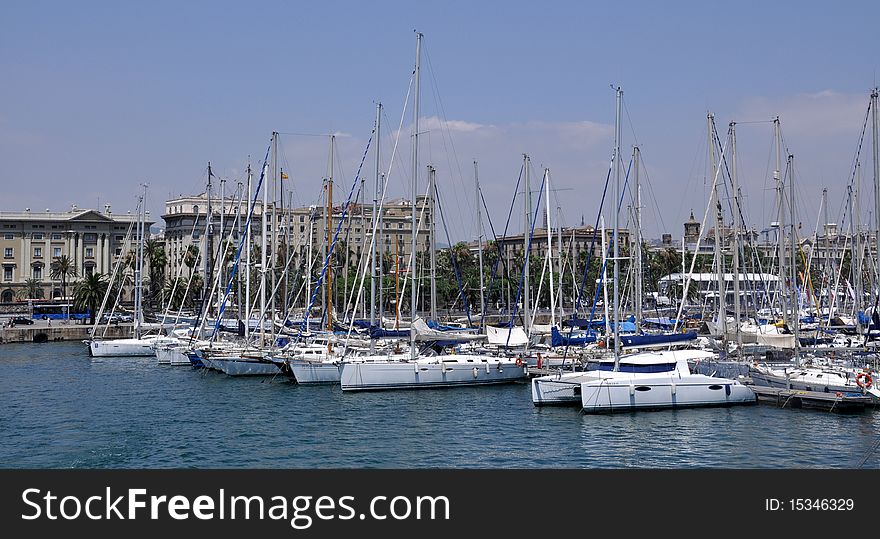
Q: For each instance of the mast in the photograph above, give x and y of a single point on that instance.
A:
(719, 252)
(559, 259)
(875, 122)
(637, 252)
(414, 190)
(273, 229)
(223, 242)
(550, 246)
(374, 240)
(328, 239)
(736, 237)
(238, 230)
(208, 255)
(380, 255)
(247, 264)
(826, 281)
(309, 260)
(605, 277)
(264, 258)
(479, 242)
(139, 267)
(780, 222)
(616, 222)
(527, 227)
(856, 257)
(795, 304)
(432, 192)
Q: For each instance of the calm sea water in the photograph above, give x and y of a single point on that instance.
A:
(61, 409)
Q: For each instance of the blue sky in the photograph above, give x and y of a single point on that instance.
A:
(97, 97)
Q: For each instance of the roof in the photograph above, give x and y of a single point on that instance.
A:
(75, 215)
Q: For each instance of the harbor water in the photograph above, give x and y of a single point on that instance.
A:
(61, 409)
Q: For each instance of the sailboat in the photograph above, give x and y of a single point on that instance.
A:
(644, 380)
(415, 370)
(139, 344)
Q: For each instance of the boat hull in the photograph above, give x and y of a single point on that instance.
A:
(619, 395)
(369, 376)
(243, 366)
(315, 372)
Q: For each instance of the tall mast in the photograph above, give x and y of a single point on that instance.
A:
(139, 267)
(527, 227)
(223, 243)
(549, 246)
(614, 233)
(736, 237)
(432, 192)
(826, 281)
(374, 240)
(780, 222)
(380, 255)
(559, 258)
(795, 304)
(273, 229)
(264, 256)
(208, 255)
(328, 238)
(875, 121)
(414, 190)
(247, 264)
(637, 252)
(479, 242)
(719, 252)
(856, 258)
(238, 234)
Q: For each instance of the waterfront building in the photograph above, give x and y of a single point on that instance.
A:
(31, 240)
(186, 224)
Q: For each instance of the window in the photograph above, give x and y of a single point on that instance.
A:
(57, 237)
(7, 273)
(90, 237)
(9, 236)
(7, 252)
(56, 252)
(195, 209)
(38, 252)
(90, 270)
(90, 252)
(120, 238)
(118, 251)
(38, 273)
(38, 236)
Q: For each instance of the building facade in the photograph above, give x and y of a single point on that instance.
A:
(186, 224)
(30, 241)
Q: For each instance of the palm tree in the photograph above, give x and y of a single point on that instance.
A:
(157, 260)
(62, 268)
(89, 293)
(191, 256)
(33, 289)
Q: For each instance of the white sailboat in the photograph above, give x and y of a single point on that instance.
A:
(138, 345)
(411, 371)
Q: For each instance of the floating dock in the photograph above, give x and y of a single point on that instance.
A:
(795, 398)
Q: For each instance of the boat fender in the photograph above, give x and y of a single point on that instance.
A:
(727, 389)
(864, 380)
(673, 388)
(487, 367)
(632, 390)
(475, 372)
(416, 367)
(443, 367)
(539, 360)
(519, 363)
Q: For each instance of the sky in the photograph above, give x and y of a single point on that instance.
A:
(97, 98)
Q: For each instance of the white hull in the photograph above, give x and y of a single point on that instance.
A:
(636, 392)
(315, 372)
(126, 347)
(463, 370)
(811, 379)
(559, 388)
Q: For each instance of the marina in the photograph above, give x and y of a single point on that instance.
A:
(62, 409)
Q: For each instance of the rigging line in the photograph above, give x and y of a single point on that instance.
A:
(436, 89)
(501, 258)
(467, 308)
(526, 262)
(240, 246)
(345, 209)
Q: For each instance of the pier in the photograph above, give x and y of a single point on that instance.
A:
(58, 330)
(794, 398)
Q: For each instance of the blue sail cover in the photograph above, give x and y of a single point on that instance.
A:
(379, 333)
(585, 323)
(557, 339)
(665, 338)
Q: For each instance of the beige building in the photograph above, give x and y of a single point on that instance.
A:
(186, 224)
(30, 241)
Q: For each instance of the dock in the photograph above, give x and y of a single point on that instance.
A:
(41, 331)
(794, 398)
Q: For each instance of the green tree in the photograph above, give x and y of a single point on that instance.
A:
(89, 293)
(61, 269)
(33, 289)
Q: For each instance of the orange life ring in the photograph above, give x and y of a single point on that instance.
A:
(601, 344)
(868, 381)
(519, 362)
